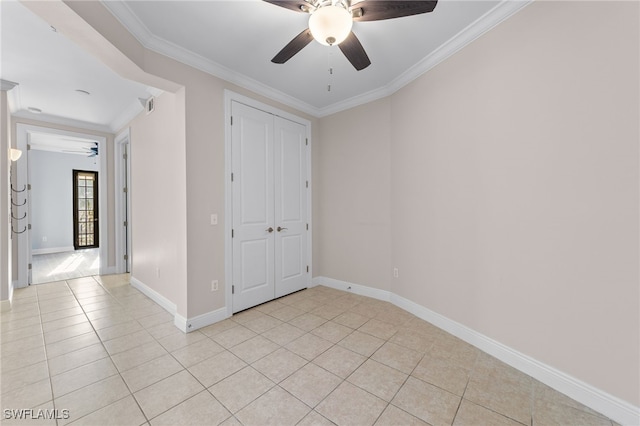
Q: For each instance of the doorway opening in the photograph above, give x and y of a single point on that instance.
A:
(64, 238)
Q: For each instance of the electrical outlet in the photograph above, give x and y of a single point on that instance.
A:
(395, 273)
(214, 285)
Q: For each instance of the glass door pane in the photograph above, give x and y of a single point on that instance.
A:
(85, 209)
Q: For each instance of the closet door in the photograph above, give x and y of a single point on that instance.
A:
(253, 207)
(269, 191)
(290, 168)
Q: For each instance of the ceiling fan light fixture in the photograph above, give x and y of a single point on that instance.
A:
(330, 25)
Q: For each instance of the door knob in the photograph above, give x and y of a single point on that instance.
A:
(270, 230)
(281, 229)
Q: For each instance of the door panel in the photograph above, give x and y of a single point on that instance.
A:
(255, 253)
(254, 172)
(253, 209)
(269, 192)
(291, 259)
(290, 206)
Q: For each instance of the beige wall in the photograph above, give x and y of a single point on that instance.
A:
(158, 199)
(353, 219)
(514, 189)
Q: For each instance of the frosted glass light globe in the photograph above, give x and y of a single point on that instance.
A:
(330, 25)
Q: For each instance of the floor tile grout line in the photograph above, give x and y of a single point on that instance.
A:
(111, 359)
(471, 371)
(462, 397)
(44, 347)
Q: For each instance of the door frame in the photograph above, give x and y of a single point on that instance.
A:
(122, 239)
(96, 230)
(23, 135)
(229, 97)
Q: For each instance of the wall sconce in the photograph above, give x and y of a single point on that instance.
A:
(14, 154)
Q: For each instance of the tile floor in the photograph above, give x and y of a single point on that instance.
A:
(63, 266)
(100, 349)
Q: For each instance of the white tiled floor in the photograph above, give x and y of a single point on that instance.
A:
(110, 356)
(52, 267)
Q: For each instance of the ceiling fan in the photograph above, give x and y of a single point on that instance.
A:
(331, 21)
(89, 151)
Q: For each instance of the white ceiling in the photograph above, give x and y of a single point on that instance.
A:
(49, 69)
(234, 40)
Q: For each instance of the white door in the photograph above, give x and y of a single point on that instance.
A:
(269, 206)
(253, 207)
(290, 206)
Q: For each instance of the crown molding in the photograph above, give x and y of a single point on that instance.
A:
(187, 57)
(125, 116)
(469, 34)
(486, 22)
(130, 21)
(62, 121)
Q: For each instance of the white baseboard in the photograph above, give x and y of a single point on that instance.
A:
(594, 398)
(52, 250)
(168, 305)
(190, 324)
(108, 270)
(186, 325)
(359, 289)
(16, 284)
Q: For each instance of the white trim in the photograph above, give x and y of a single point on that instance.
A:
(52, 250)
(502, 11)
(165, 303)
(126, 116)
(185, 325)
(23, 251)
(53, 119)
(139, 30)
(14, 99)
(600, 401)
(5, 305)
(359, 289)
(188, 325)
(229, 97)
(108, 270)
(22, 175)
(121, 139)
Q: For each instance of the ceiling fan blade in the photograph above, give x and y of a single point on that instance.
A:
(376, 10)
(297, 5)
(353, 50)
(294, 46)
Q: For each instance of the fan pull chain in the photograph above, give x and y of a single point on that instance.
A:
(330, 68)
